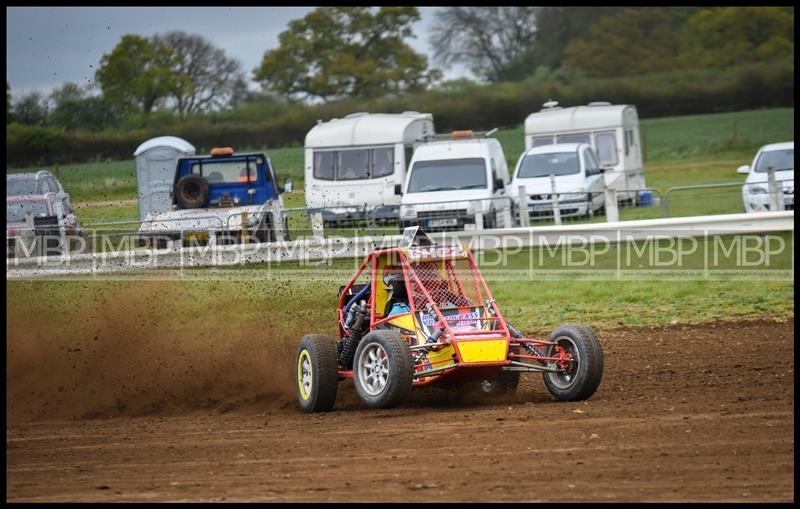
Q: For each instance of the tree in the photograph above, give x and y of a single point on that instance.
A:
(8, 103)
(31, 109)
(204, 77)
(557, 26)
(632, 41)
(497, 43)
(336, 52)
(136, 75)
(724, 36)
(73, 109)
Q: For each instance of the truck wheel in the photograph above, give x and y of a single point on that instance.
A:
(191, 192)
(383, 369)
(317, 374)
(578, 378)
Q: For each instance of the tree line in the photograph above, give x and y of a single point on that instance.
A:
(346, 53)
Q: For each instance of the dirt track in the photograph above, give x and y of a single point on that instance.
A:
(683, 413)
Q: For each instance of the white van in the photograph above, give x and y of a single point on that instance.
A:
(457, 184)
(359, 163)
(611, 130)
(576, 173)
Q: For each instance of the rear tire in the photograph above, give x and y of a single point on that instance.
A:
(582, 377)
(383, 369)
(317, 376)
(506, 382)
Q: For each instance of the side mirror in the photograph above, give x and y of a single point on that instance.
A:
(398, 189)
(745, 169)
(288, 185)
(499, 184)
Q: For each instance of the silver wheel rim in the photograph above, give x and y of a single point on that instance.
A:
(487, 386)
(373, 369)
(565, 379)
(306, 377)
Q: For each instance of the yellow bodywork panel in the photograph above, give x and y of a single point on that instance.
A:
(483, 350)
(405, 321)
(442, 358)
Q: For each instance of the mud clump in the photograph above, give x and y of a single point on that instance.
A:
(125, 355)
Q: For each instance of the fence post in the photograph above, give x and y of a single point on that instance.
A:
(245, 230)
(775, 190)
(317, 225)
(556, 209)
(522, 205)
(277, 221)
(479, 217)
(612, 212)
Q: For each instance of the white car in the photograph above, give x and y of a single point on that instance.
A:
(755, 194)
(457, 184)
(578, 179)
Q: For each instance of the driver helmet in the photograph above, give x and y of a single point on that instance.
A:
(397, 285)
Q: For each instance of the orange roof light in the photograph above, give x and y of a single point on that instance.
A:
(462, 134)
(221, 151)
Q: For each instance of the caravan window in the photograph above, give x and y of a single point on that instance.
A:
(574, 138)
(538, 141)
(606, 143)
(323, 165)
(382, 162)
(352, 165)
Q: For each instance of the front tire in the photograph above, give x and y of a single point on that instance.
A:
(383, 369)
(317, 377)
(578, 378)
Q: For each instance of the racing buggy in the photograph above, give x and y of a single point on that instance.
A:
(420, 314)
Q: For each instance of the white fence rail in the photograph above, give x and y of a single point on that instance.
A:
(335, 248)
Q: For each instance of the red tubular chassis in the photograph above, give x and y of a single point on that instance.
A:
(448, 326)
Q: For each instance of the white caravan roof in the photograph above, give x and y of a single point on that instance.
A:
(370, 129)
(166, 141)
(580, 118)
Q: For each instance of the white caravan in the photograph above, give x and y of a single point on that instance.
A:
(359, 162)
(611, 130)
(457, 184)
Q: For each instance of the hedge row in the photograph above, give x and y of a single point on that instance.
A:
(468, 107)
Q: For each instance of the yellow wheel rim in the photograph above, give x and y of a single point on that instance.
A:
(304, 374)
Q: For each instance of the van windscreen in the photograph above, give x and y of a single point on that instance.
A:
(544, 165)
(447, 175)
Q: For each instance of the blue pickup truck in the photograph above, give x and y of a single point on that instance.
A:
(222, 196)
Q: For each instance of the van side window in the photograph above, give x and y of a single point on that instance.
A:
(538, 141)
(574, 138)
(323, 165)
(352, 165)
(606, 143)
(382, 162)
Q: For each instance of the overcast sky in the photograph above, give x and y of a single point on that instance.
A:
(47, 46)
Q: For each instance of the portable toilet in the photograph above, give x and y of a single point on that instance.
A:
(156, 160)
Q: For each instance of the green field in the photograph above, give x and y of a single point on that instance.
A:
(685, 150)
